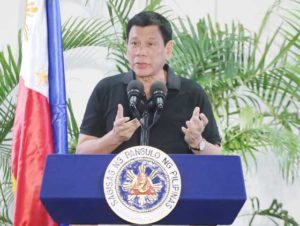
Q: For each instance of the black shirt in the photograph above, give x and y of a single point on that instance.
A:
(182, 97)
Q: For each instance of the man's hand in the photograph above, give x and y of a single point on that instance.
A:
(123, 128)
(194, 128)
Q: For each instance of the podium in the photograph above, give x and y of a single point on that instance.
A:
(213, 190)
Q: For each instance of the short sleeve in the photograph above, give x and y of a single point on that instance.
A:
(93, 122)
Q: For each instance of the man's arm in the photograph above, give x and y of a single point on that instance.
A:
(122, 131)
(193, 134)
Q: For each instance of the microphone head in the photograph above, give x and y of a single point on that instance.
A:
(135, 85)
(158, 92)
(158, 87)
(135, 94)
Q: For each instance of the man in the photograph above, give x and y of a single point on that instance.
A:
(186, 125)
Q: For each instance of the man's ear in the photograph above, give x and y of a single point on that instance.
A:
(169, 49)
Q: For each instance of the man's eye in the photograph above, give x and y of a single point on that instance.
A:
(134, 43)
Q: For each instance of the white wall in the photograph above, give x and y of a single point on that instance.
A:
(10, 22)
(85, 67)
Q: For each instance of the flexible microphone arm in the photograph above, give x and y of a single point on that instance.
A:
(156, 116)
(144, 120)
(158, 92)
(135, 92)
(145, 128)
(135, 112)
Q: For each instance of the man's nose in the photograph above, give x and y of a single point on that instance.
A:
(141, 50)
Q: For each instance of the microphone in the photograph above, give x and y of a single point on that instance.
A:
(159, 91)
(135, 92)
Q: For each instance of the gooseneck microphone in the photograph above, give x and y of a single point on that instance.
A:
(141, 108)
(158, 92)
(135, 92)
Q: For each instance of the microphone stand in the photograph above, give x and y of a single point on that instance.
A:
(144, 140)
(144, 120)
(145, 128)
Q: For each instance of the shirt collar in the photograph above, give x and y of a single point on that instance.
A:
(172, 83)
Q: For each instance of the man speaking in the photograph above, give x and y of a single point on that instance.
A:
(149, 104)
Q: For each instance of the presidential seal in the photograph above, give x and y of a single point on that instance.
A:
(142, 185)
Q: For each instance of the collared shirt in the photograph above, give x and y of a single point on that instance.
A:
(166, 134)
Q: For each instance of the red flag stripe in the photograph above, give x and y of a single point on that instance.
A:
(31, 144)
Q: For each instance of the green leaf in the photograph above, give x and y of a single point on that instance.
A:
(275, 212)
(85, 32)
(73, 130)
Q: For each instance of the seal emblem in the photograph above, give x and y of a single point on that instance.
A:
(142, 185)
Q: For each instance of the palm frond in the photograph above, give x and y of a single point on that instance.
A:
(6, 121)
(252, 134)
(152, 5)
(274, 212)
(212, 56)
(291, 18)
(9, 76)
(286, 145)
(78, 32)
(9, 71)
(6, 201)
(278, 90)
(73, 130)
(246, 137)
(118, 12)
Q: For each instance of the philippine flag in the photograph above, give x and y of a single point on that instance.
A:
(33, 134)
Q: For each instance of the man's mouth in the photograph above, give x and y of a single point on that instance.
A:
(141, 65)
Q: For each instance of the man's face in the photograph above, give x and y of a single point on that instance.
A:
(146, 51)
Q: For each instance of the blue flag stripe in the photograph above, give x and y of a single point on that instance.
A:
(57, 90)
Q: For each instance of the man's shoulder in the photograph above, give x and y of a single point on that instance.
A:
(188, 84)
(112, 80)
